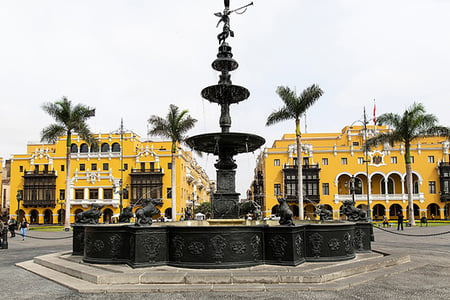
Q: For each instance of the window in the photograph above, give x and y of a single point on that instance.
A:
(432, 187)
(107, 193)
(169, 193)
(62, 168)
(355, 143)
(306, 161)
(276, 162)
(21, 169)
(84, 148)
(94, 147)
(325, 188)
(169, 166)
(94, 167)
(142, 166)
(446, 186)
(152, 166)
(412, 159)
(62, 194)
(344, 160)
(324, 161)
(393, 159)
(82, 167)
(360, 160)
(74, 148)
(125, 167)
(431, 159)
(105, 166)
(295, 161)
(79, 194)
(105, 147)
(93, 193)
(115, 147)
(277, 189)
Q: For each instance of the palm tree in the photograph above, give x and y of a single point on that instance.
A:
(69, 119)
(174, 126)
(294, 107)
(413, 124)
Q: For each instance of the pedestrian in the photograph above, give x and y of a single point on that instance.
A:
(385, 221)
(400, 220)
(2, 227)
(12, 223)
(23, 226)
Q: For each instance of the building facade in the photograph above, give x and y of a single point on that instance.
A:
(336, 167)
(113, 172)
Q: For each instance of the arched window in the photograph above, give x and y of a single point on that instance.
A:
(105, 147)
(84, 148)
(391, 189)
(74, 148)
(94, 147)
(115, 147)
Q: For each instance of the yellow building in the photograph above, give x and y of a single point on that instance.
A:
(111, 170)
(330, 160)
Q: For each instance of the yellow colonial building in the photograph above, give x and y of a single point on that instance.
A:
(112, 172)
(331, 161)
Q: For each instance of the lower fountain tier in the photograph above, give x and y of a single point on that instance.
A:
(230, 142)
(219, 246)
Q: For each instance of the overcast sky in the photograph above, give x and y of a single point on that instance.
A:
(130, 59)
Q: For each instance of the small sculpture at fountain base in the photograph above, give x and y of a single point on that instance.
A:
(89, 216)
(145, 214)
(353, 213)
(323, 213)
(285, 213)
(126, 215)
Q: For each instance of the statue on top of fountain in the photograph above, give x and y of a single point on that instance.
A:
(224, 17)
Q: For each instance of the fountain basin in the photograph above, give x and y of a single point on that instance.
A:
(207, 247)
(232, 142)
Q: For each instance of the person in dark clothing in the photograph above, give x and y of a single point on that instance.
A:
(400, 220)
(23, 228)
(12, 223)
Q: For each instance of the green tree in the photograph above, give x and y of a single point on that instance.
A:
(413, 124)
(203, 208)
(69, 119)
(294, 107)
(174, 127)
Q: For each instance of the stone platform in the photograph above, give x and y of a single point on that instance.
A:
(70, 271)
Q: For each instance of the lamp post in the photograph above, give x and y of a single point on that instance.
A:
(19, 197)
(366, 161)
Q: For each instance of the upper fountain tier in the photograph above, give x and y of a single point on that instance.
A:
(225, 92)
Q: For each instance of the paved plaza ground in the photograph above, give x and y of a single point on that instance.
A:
(431, 281)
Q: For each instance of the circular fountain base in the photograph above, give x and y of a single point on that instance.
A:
(207, 247)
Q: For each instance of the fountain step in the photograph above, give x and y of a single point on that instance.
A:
(70, 271)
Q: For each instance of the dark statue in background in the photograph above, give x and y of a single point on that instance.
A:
(89, 216)
(188, 213)
(126, 215)
(285, 213)
(353, 213)
(145, 214)
(323, 213)
(224, 17)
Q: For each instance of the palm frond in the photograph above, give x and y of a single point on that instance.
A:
(52, 132)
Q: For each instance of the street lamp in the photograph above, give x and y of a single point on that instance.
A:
(19, 197)
(366, 161)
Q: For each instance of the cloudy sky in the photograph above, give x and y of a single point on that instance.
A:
(130, 59)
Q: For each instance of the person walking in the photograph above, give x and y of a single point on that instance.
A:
(400, 220)
(23, 226)
(2, 227)
(12, 223)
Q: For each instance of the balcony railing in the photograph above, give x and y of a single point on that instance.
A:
(147, 170)
(444, 164)
(43, 172)
(39, 203)
(308, 166)
(378, 197)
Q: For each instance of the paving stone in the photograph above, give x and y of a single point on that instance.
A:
(255, 277)
(163, 278)
(208, 277)
(238, 288)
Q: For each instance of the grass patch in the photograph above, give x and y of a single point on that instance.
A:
(47, 228)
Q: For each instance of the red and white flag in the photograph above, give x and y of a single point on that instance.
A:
(374, 110)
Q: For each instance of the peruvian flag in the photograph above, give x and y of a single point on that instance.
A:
(374, 110)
